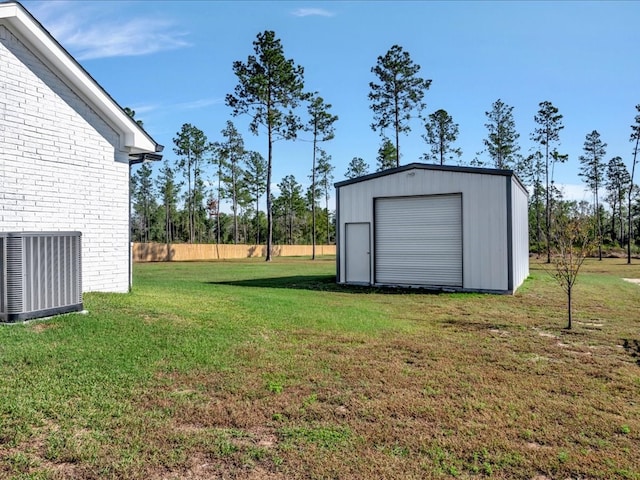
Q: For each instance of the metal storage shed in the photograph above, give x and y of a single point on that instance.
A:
(431, 226)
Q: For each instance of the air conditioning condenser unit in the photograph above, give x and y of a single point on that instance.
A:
(40, 274)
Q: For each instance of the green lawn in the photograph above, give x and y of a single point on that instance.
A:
(243, 369)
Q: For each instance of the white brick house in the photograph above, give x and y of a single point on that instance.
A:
(65, 150)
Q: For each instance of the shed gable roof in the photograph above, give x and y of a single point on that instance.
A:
(427, 166)
(21, 23)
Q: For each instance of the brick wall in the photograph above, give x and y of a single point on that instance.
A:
(60, 167)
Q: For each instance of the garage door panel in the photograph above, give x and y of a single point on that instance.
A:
(437, 255)
(416, 264)
(419, 240)
(420, 278)
(434, 222)
(428, 231)
(414, 275)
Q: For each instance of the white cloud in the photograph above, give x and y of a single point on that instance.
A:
(309, 12)
(141, 109)
(201, 103)
(89, 33)
(168, 107)
(574, 192)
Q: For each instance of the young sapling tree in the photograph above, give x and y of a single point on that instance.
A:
(572, 241)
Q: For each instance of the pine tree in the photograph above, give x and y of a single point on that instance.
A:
(232, 155)
(441, 133)
(191, 145)
(144, 205)
(290, 203)
(168, 188)
(321, 125)
(213, 204)
(269, 88)
(132, 114)
(635, 138)
(325, 177)
(399, 92)
(617, 182)
(255, 177)
(547, 134)
(387, 155)
(502, 141)
(592, 169)
(357, 167)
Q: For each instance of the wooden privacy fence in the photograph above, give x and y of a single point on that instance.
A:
(182, 252)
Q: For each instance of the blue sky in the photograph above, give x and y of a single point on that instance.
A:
(172, 63)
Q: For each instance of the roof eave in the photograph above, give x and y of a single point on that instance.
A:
(429, 166)
(133, 138)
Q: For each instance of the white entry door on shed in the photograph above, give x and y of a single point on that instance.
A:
(358, 261)
(418, 240)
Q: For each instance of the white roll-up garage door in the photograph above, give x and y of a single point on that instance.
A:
(418, 240)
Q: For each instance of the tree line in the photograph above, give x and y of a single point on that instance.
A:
(180, 202)
(270, 91)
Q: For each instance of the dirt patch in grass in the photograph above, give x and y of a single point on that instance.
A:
(416, 406)
(42, 326)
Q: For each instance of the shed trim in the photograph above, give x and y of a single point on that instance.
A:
(426, 166)
(509, 235)
(338, 242)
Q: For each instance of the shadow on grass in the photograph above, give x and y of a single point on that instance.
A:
(472, 325)
(323, 283)
(633, 348)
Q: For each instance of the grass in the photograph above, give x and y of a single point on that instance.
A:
(250, 370)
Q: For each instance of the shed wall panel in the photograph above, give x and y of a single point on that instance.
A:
(520, 236)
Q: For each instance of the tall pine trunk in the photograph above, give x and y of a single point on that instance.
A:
(257, 219)
(548, 204)
(397, 124)
(633, 170)
(269, 213)
(313, 199)
(235, 210)
(599, 225)
(326, 203)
